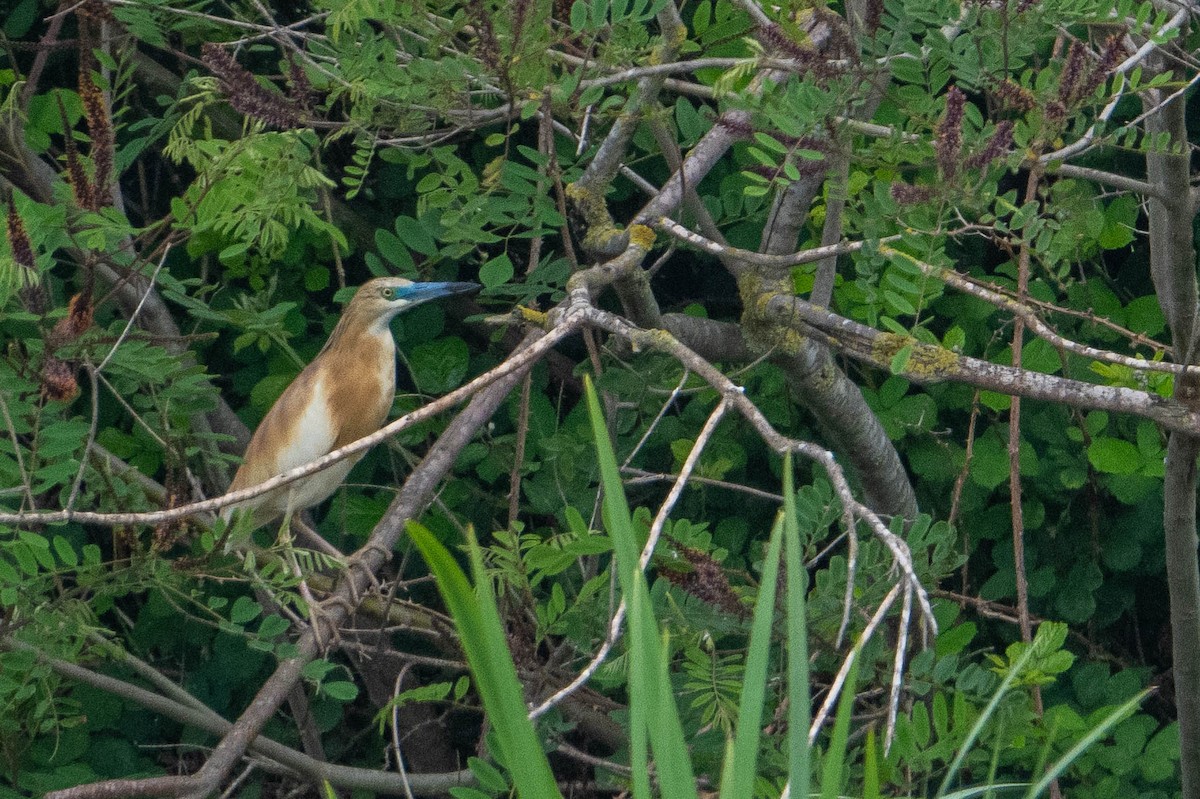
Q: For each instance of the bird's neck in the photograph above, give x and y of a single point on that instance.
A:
(355, 329)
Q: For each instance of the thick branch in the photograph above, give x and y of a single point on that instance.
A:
(416, 494)
(197, 715)
(927, 363)
(835, 402)
(1173, 267)
(1172, 264)
(517, 363)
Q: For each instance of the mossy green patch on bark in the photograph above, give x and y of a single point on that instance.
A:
(601, 233)
(761, 333)
(925, 361)
(641, 236)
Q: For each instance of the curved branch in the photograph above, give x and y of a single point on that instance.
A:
(834, 400)
(928, 363)
(200, 716)
(517, 363)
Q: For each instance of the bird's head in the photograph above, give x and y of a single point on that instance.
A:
(381, 299)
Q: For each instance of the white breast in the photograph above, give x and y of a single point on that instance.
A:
(313, 437)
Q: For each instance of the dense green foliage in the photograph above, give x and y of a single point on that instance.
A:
(191, 192)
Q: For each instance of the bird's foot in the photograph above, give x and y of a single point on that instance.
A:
(325, 628)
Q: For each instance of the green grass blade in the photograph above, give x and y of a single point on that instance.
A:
(738, 778)
(1071, 755)
(981, 722)
(639, 742)
(870, 767)
(799, 696)
(986, 790)
(648, 666)
(835, 755)
(616, 510)
(482, 634)
(649, 684)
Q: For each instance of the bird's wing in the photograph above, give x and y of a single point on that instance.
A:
(298, 429)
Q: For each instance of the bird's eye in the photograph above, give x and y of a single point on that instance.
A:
(387, 292)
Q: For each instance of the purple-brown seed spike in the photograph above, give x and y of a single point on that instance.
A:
(1015, 97)
(704, 580)
(1055, 112)
(872, 15)
(839, 32)
(947, 145)
(520, 13)
(487, 47)
(1072, 74)
(778, 39)
(77, 179)
(1110, 56)
(998, 146)
(97, 10)
(245, 93)
(58, 380)
(300, 88)
(18, 237)
(34, 296)
(74, 324)
(907, 194)
(100, 130)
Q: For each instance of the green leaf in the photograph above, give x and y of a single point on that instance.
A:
(1144, 315)
(649, 681)
(835, 757)
(1120, 223)
(738, 777)
(470, 793)
(316, 279)
(66, 552)
(244, 610)
(317, 669)
(579, 15)
(899, 361)
(485, 644)
(340, 690)
(440, 365)
(9, 575)
(955, 639)
(1039, 356)
(496, 272)
(273, 626)
(1114, 456)
(799, 694)
(488, 775)
(392, 248)
(20, 19)
(415, 236)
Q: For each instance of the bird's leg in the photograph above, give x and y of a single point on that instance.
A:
(357, 561)
(316, 616)
(284, 541)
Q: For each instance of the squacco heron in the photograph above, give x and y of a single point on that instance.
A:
(343, 395)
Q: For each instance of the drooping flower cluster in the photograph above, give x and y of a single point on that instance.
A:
(245, 94)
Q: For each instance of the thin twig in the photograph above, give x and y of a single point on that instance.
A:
(523, 359)
(643, 476)
(898, 669)
(666, 406)
(614, 625)
(514, 479)
(398, 752)
(752, 258)
(835, 689)
(12, 433)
